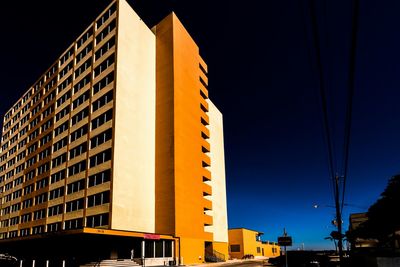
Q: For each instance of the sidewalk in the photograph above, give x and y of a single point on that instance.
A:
(230, 262)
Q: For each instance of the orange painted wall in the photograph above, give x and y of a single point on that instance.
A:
(179, 179)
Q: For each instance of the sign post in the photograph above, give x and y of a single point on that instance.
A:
(285, 241)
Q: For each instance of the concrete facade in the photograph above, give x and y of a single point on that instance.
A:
(118, 138)
(244, 241)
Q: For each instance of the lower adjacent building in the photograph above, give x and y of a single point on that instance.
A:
(245, 243)
(116, 151)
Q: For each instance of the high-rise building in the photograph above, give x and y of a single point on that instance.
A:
(117, 149)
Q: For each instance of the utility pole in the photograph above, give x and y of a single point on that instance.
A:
(339, 220)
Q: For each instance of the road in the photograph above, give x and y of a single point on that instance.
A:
(240, 263)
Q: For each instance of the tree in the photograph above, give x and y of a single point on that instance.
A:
(383, 219)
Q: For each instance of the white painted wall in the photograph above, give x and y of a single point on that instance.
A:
(217, 168)
(133, 198)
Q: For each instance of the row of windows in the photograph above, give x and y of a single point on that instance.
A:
(70, 206)
(93, 180)
(91, 221)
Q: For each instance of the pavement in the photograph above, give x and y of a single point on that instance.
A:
(235, 263)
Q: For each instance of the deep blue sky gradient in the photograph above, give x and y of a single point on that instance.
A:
(262, 76)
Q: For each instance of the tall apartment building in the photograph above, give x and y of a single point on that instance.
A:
(116, 148)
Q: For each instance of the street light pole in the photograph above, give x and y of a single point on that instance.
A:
(339, 221)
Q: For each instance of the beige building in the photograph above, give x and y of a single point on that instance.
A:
(117, 146)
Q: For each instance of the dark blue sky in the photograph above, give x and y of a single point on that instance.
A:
(262, 77)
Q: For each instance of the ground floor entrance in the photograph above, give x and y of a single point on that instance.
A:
(88, 248)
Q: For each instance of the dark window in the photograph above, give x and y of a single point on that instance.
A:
(54, 227)
(59, 160)
(105, 48)
(82, 83)
(60, 129)
(55, 210)
(66, 69)
(73, 224)
(80, 116)
(84, 37)
(56, 193)
(102, 101)
(106, 15)
(65, 111)
(98, 199)
(58, 176)
(84, 52)
(97, 220)
(76, 186)
(79, 150)
(74, 205)
(83, 67)
(103, 83)
(79, 133)
(81, 99)
(77, 168)
(100, 158)
(104, 65)
(60, 144)
(100, 138)
(99, 178)
(235, 248)
(101, 119)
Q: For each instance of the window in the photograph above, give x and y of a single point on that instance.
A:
(45, 153)
(48, 111)
(60, 144)
(40, 214)
(79, 133)
(82, 148)
(26, 217)
(100, 158)
(101, 138)
(105, 48)
(55, 210)
(32, 148)
(58, 176)
(99, 178)
(77, 168)
(97, 220)
(31, 161)
(83, 67)
(103, 118)
(28, 189)
(27, 203)
(51, 71)
(84, 52)
(16, 207)
(258, 250)
(106, 31)
(105, 16)
(54, 227)
(14, 220)
(103, 83)
(104, 65)
(56, 193)
(42, 183)
(30, 175)
(64, 98)
(66, 56)
(59, 160)
(65, 83)
(33, 135)
(98, 199)
(37, 230)
(24, 232)
(235, 248)
(44, 168)
(102, 101)
(81, 99)
(17, 194)
(65, 70)
(80, 116)
(20, 168)
(46, 139)
(82, 83)
(23, 131)
(18, 181)
(34, 122)
(47, 125)
(60, 129)
(84, 37)
(41, 199)
(74, 205)
(65, 111)
(51, 96)
(76, 186)
(73, 224)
